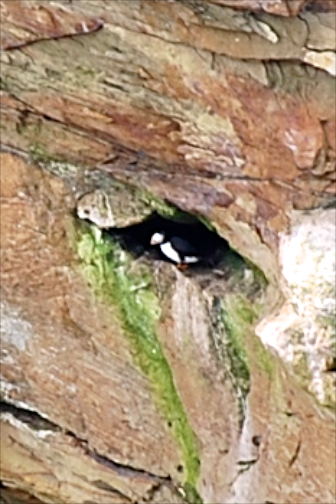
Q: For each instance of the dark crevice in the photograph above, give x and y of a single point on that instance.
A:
(331, 365)
(36, 422)
(113, 85)
(126, 471)
(31, 418)
(186, 233)
(97, 25)
(295, 454)
(218, 269)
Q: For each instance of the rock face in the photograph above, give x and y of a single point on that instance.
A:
(128, 380)
(303, 332)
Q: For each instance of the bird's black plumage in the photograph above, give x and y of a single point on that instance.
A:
(191, 238)
(183, 246)
(174, 248)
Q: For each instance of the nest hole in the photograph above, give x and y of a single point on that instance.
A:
(206, 245)
(219, 270)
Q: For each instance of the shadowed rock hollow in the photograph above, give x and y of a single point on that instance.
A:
(125, 380)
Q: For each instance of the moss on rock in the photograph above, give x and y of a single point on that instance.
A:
(114, 277)
(238, 310)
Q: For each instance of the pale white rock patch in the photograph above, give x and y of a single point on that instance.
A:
(95, 207)
(303, 331)
(324, 59)
(15, 330)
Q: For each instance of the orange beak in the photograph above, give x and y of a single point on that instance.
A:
(182, 267)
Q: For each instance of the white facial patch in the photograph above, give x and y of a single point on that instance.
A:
(156, 239)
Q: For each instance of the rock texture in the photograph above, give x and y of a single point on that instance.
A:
(303, 332)
(127, 380)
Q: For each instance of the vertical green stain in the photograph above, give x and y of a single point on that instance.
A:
(127, 285)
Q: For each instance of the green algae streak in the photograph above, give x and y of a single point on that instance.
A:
(127, 285)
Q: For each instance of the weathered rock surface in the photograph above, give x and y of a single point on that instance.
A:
(129, 381)
(303, 333)
(243, 160)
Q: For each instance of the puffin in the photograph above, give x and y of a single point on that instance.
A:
(176, 249)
